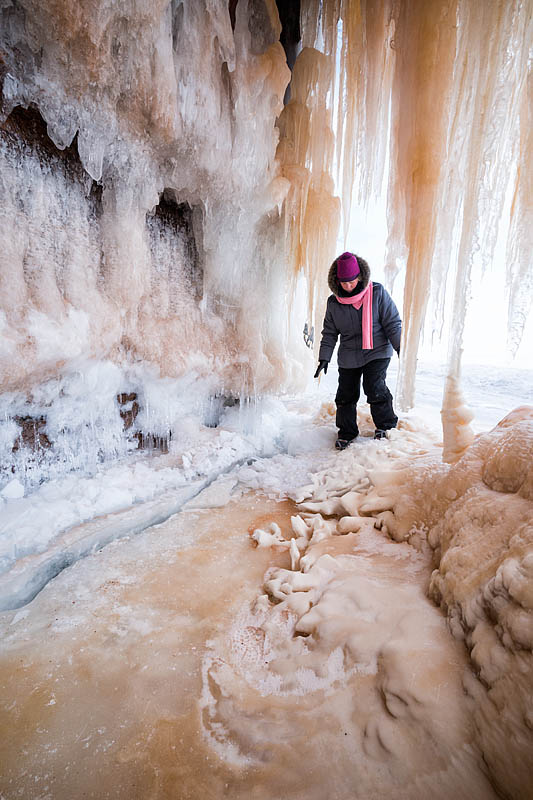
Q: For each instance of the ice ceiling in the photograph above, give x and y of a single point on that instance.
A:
(160, 202)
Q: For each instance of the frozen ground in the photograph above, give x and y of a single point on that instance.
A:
(157, 668)
(273, 637)
(50, 528)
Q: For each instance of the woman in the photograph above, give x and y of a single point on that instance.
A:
(364, 315)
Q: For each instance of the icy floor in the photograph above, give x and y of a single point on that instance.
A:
(158, 668)
(183, 661)
(42, 533)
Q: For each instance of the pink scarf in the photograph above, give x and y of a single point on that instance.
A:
(364, 299)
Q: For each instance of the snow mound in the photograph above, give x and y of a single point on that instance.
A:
(478, 517)
(509, 463)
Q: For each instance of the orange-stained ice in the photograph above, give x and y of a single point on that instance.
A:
(443, 88)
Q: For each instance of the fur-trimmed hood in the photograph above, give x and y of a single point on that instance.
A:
(364, 276)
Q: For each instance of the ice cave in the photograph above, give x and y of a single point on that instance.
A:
(200, 597)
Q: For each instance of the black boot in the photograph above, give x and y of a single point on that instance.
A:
(342, 444)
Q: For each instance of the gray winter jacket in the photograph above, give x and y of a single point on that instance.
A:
(346, 321)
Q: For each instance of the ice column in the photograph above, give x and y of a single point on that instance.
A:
(424, 43)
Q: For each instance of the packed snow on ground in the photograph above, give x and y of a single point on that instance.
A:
(44, 531)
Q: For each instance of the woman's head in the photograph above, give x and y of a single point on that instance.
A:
(348, 271)
(348, 274)
(347, 268)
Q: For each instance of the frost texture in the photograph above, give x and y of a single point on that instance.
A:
(477, 517)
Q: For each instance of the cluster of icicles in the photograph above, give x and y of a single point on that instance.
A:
(440, 91)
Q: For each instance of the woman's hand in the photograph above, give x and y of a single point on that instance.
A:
(322, 365)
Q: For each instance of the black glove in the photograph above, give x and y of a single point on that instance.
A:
(322, 365)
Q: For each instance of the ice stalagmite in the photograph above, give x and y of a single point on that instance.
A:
(456, 419)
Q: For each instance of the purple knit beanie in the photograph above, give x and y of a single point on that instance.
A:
(347, 268)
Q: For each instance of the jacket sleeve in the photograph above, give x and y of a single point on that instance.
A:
(390, 320)
(330, 335)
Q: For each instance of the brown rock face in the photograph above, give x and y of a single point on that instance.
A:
(129, 409)
(149, 441)
(32, 434)
(128, 414)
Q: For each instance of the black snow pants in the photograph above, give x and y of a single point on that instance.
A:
(377, 393)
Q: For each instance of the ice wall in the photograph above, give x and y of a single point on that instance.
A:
(164, 102)
(140, 221)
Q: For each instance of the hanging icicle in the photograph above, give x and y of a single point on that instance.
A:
(442, 88)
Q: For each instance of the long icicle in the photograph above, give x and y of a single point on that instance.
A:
(452, 74)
